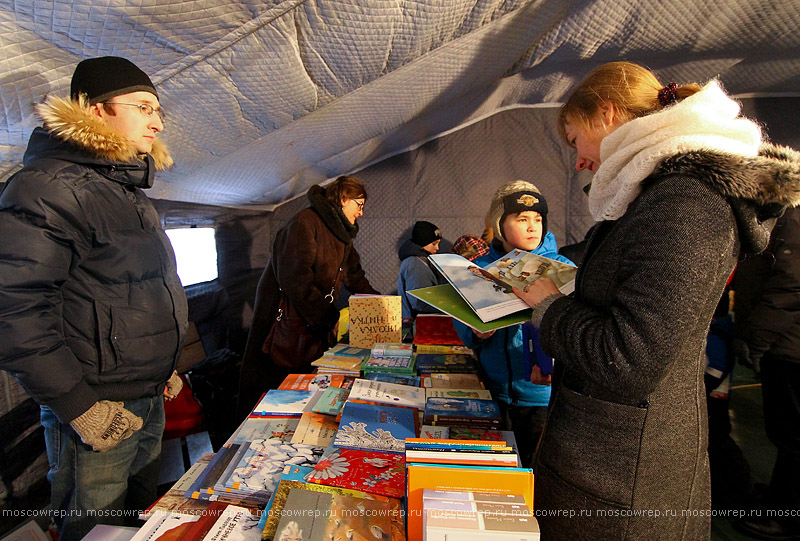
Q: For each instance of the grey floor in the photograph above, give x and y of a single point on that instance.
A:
(747, 420)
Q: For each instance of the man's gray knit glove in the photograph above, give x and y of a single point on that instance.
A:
(106, 424)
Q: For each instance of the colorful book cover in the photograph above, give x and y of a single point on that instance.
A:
(435, 329)
(400, 379)
(331, 402)
(311, 382)
(320, 516)
(392, 349)
(429, 363)
(370, 471)
(375, 318)
(438, 410)
(315, 429)
(488, 291)
(375, 428)
(439, 392)
(281, 402)
(388, 393)
(446, 298)
(389, 365)
(258, 469)
(166, 526)
(451, 381)
(498, 480)
(252, 428)
(275, 512)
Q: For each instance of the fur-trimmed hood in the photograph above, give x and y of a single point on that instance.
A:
(91, 142)
(759, 188)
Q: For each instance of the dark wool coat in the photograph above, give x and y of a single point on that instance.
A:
(306, 257)
(91, 307)
(626, 438)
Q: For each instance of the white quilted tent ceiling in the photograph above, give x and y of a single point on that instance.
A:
(264, 99)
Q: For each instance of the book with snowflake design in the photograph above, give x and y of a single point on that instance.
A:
(374, 427)
(370, 471)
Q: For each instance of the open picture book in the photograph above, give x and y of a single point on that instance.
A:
(488, 291)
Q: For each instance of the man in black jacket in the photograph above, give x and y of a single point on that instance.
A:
(767, 334)
(92, 313)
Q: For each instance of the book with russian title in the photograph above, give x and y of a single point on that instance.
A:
(375, 318)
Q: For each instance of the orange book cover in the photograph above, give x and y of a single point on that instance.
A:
(311, 382)
(496, 480)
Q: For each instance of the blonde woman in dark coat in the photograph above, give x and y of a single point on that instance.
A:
(682, 185)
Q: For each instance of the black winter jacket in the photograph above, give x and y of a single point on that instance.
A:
(767, 293)
(91, 307)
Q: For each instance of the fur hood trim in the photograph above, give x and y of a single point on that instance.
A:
(770, 179)
(71, 121)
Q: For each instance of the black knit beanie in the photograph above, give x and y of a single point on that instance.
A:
(425, 233)
(107, 76)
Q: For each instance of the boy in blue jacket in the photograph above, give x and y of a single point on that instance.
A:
(518, 216)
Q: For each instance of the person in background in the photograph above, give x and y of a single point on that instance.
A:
(295, 314)
(518, 216)
(416, 270)
(470, 247)
(767, 335)
(682, 185)
(93, 311)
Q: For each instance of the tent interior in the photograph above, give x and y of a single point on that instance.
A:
(432, 104)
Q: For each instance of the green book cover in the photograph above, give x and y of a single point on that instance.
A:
(448, 300)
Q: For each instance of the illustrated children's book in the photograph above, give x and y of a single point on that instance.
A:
(320, 516)
(275, 510)
(489, 290)
(375, 318)
(257, 468)
(331, 402)
(375, 428)
(371, 471)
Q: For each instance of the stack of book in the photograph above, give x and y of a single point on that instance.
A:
(451, 451)
(219, 522)
(393, 394)
(500, 481)
(475, 516)
(338, 364)
(390, 358)
(451, 381)
(311, 382)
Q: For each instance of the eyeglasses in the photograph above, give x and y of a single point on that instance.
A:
(145, 108)
(359, 203)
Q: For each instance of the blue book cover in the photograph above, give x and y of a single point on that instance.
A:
(401, 379)
(375, 427)
(428, 363)
(475, 409)
(284, 402)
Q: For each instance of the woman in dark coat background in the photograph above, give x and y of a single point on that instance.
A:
(311, 256)
(681, 185)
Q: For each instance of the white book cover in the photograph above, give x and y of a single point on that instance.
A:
(235, 524)
(393, 394)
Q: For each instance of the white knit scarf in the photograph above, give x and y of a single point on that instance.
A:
(707, 120)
